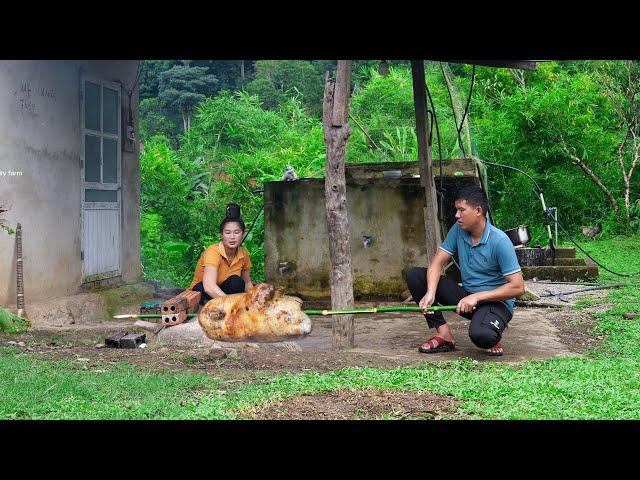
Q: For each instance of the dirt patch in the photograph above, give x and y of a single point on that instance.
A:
(574, 327)
(362, 404)
(575, 330)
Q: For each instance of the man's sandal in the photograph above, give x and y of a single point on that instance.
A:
(496, 350)
(437, 344)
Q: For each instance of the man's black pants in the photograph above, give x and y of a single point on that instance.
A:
(233, 284)
(488, 320)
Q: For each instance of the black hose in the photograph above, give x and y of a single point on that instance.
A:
(538, 189)
(255, 219)
(583, 251)
(453, 110)
(548, 214)
(466, 110)
(441, 192)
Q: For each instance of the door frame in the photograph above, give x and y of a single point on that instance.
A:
(95, 185)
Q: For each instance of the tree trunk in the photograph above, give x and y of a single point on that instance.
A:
(519, 76)
(383, 68)
(430, 211)
(585, 168)
(626, 176)
(458, 108)
(594, 178)
(241, 72)
(335, 111)
(185, 122)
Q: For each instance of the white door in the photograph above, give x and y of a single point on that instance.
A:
(101, 174)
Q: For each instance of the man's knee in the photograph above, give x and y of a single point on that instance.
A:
(415, 275)
(483, 336)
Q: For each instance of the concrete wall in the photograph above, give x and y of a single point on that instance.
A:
(296, 232)
(40, 137)
(387, 209)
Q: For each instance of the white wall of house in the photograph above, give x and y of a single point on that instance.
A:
(40, 173)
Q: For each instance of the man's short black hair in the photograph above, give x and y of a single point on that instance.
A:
(474, 196)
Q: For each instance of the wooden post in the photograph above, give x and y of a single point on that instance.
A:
(19, 269)
(335, 113)
(430, 210)
(383, 68)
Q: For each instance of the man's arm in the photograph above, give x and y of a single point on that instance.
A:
(247, 280)
(513, 288)
(434, 271)
(209, 280)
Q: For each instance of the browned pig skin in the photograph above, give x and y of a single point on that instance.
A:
(262, 314)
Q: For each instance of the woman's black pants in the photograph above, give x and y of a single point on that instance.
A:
(488, 320)
(233, 284)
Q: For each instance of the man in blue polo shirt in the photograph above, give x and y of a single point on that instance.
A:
(491, 278)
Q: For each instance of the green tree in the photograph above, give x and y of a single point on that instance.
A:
(182, 87)
(156, 120)
(231, 74)
(276, 80)
(150, 71)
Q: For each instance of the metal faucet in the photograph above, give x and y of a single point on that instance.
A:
(283, 266)
(366, 240)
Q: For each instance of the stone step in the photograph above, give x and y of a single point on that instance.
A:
(561, 273)
(570, 262)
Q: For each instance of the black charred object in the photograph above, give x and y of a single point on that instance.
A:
(113, 340)
(133, 340)
(125, 340)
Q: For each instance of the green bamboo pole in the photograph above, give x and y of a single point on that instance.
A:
(444, 308)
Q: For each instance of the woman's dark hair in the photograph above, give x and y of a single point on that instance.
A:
(233, 210)
(228, 220)
(232, 215)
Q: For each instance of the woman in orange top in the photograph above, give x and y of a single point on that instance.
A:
(223, 268)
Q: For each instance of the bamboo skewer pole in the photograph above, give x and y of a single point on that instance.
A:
(436, 308)
(444, 308)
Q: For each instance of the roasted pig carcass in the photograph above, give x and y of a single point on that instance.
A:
(262, 314)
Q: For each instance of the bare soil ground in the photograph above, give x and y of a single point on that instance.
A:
(349, 404)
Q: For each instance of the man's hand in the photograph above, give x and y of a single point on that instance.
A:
(427, 300)
(467, 304)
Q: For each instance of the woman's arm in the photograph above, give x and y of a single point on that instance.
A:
(247, 280)
(209, 280)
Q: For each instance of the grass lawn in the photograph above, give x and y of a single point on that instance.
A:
(604, 385)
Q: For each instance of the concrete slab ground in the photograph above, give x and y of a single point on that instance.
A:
(530, 335)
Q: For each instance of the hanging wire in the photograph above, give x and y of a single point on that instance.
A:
(466, 109)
